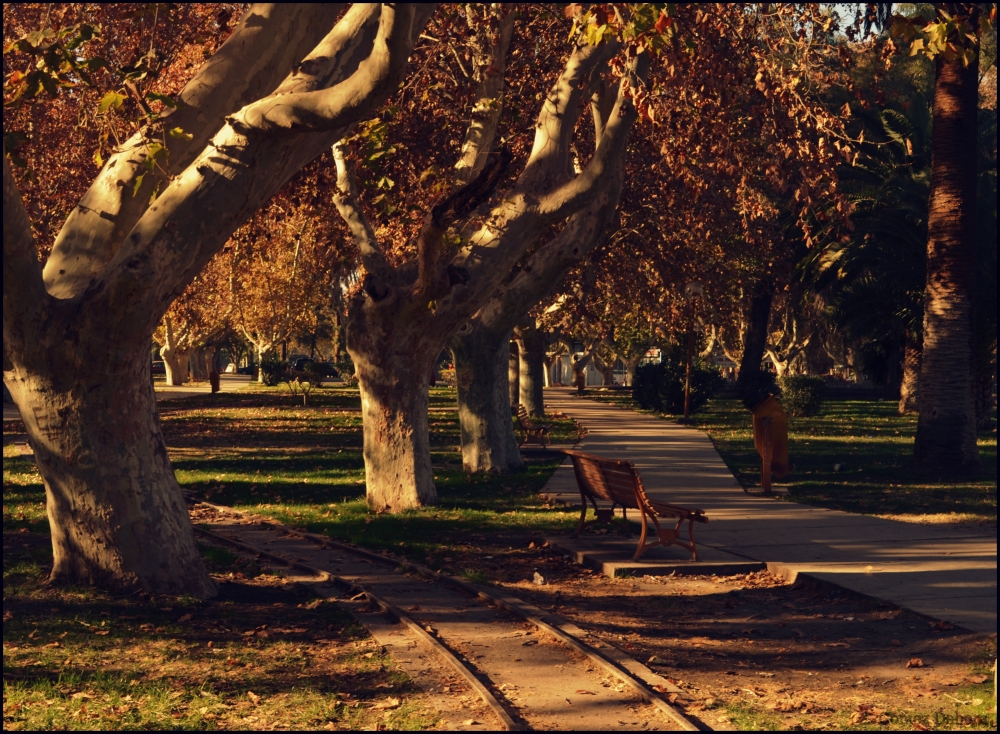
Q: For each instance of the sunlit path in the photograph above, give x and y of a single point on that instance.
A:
(945, 573)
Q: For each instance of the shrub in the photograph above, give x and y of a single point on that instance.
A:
(272, 370)
(801, 395)
(314, 372)
(660, 387)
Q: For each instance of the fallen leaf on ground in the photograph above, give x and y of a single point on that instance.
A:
(253, 698)
(915, 663)
(582, 692)
(389, 703)
(185, 618)
(981, 678)
(81, 696)
(895, 643)
(470, 722)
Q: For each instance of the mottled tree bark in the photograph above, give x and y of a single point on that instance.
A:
(482, 362)
(514, 375)
(78, 336)
(946, 429)
(531, 346)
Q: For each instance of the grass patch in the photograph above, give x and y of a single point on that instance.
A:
(873, 445)
(259, 656)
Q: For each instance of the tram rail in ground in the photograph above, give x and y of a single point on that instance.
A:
(520, 681)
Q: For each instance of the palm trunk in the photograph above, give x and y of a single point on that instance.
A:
(909, 388)
(946, 429)
(116, 513)
(482, 361)
(531, 345)
(752, 384)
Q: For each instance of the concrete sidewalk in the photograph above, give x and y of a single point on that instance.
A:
(943, 572)
(227, 383)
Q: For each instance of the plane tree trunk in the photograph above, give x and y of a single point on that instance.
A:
(76, 335)
(423, 303)
(531, 345)
(514, 375)
(482, 373)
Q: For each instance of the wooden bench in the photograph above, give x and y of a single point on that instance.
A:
(618, 482)
(531, 430)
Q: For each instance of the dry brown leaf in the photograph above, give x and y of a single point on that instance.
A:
(389, 703)
(981, 678)
(915, 663)
(185, 618)
(254, 698)
(582, 692)
(470, 722)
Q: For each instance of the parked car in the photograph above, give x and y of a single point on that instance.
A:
(159, 368)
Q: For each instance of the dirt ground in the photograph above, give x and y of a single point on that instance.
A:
(752, 652)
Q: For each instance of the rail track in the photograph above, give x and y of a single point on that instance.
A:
(532, 669)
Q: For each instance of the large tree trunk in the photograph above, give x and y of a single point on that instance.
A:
(909, 388)
(946, 429)
(531, 346)
(752, 383)
(397, 449)
(482, 360)
(175, 362)
(116, 513)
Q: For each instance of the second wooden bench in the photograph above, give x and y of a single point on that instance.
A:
(617, 482)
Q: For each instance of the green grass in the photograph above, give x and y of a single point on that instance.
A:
(873, 445)
(82, 659)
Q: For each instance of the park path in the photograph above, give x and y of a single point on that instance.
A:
(945, 573)
(227, 383)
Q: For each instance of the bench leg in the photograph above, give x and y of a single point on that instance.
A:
(642, 538)
(583, 515)
(694, 548)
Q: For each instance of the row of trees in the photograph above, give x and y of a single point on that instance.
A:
(481, 160)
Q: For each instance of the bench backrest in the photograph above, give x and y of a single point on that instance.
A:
(606, 479)
(523, 418)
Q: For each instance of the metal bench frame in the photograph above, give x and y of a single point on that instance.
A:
(617, 482)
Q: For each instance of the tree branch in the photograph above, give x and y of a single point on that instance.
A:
(348, 203)
(482, 128)
(327, 109)
(461, 203)
(249, 64)
(23, 289)
(610, 146)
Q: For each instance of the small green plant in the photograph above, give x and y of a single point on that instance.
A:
(272, 370)
(801, 395)
(476, 577)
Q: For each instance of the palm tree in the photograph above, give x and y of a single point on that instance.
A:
(946, 429)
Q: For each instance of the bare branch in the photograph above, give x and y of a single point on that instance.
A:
(348, 204)
(551, 155)
(482, 128)
(610, 146)
(327, 109)
(456, 206)
(249, 64)
(23, 290)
